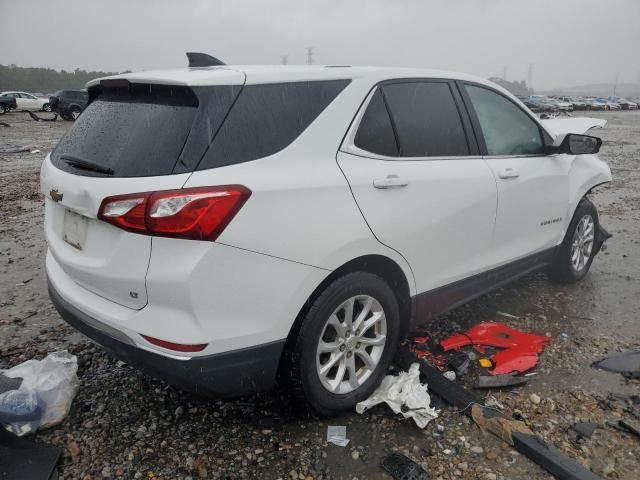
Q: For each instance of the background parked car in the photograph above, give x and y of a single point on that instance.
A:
(578, 104)
(539, 104)
(623, 102)
(28, 101)
(563, 105)
(69, 104)
(7, 103)
(597, 104)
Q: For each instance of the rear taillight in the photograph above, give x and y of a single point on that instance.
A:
(200, 213)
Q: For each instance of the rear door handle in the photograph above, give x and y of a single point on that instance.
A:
(509, 173)
(390, 181)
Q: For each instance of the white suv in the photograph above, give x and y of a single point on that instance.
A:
(222, 227)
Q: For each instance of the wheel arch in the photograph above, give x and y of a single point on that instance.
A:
(586, 173)
(380, 265)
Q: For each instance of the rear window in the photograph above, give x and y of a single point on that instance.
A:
(150, 130)
(139, 131)
(267, 118)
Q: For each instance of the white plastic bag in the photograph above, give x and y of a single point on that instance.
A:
(45, 395)
(405, 395)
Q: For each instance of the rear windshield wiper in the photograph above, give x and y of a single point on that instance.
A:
(85, 164)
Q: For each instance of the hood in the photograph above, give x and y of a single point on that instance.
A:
(579, 125)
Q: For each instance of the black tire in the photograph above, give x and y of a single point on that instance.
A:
(65, 116)
(46, 107)
(304, 375)
(562, 269)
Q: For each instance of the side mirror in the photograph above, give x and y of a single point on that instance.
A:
(574, 144)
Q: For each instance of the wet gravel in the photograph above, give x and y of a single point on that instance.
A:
(126, 425)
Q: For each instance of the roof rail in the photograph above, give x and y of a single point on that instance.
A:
(197, 59)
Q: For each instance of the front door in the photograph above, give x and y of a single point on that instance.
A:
(533, 186)
(417, 177)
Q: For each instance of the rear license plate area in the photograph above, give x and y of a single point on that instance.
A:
(74, 229)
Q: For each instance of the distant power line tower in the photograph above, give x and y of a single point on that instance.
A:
(530, 77)
(504, 72)
(615, 84)
(285, 59)
(309, 55)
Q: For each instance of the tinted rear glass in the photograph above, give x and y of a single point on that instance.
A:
(426, 119)
(138, 131)
(375, 133)
(267, 118)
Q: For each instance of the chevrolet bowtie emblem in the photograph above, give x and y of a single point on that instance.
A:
(55, 195)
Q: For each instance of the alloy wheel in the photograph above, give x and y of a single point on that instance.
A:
(351, 344)
(582, 243)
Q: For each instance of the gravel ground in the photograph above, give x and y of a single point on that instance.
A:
(125, 425)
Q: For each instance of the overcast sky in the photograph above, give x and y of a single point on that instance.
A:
(569, 42)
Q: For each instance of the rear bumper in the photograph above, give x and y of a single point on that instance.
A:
(228, 374)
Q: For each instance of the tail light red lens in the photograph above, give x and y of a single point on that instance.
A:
(200, 213)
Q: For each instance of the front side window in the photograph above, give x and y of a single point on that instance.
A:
(507, 129)
(426, 119)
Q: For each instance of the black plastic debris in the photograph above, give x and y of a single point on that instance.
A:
(40, 119)
(579, 432)
(21, 458)
(403, 468)
(8, 383)
(625, 426)
(26, 148)
(628, 364)
(500, 381)
(629, 403)
(460, 363)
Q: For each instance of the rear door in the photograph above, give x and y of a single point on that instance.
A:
(140, 134)
(416, 175)
(533, 187)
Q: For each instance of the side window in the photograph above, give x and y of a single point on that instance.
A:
(375, 132)
(426, 119)
(507, 130)
(267, 118)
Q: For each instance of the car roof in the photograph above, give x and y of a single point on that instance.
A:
(257, 74)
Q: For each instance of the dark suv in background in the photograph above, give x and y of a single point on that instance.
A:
(69, 104)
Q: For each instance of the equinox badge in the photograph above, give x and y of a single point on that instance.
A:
(55, 195)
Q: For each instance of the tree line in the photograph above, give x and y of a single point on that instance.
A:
(44, 80)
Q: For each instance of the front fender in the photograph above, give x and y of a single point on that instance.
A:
(585, 173)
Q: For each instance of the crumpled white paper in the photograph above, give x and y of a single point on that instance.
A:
(405, 395)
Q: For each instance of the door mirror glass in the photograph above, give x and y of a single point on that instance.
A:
(574, 144)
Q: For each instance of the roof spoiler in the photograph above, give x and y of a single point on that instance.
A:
(197, 59)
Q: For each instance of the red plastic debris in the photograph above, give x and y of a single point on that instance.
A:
(493, 334)
(515, 359)
(521, 348)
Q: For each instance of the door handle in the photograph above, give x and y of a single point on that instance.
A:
(509, 173)
(390, 181)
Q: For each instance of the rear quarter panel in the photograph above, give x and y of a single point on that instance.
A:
(301, 207)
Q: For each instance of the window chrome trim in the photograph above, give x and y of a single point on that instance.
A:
(349, 146)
